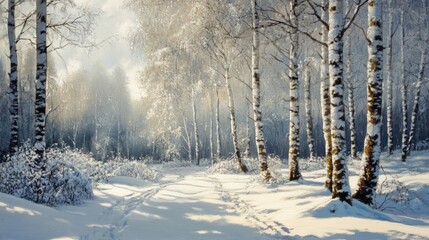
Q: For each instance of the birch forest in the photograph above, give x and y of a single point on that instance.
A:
(341, 83)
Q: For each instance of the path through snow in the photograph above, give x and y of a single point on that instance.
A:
(186, 204)
(189, 204)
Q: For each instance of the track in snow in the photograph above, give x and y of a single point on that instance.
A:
(260, 220)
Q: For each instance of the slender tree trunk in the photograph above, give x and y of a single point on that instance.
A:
(336, 27)
(420, 79)
(211, 128)
(389, 88)
(256, 91)
(404, 94)
(416, 102)
(308, 115)
(118, 140)
(351, 102)
(247, 151)
(237, 153)
(368, 178)
(218, 143)
(188, 140)
(326, 99)
(13, 75)
(42, 60)
(196, 136)
(294, 173)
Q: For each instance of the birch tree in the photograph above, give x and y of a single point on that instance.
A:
(423, 62)
(351, 103)
(256, 91)
(404, 94)
(221, 45)
(416, 104)
(13, 75)
(247, 152)
(389, 87)
(308, 115)
(218, 143)
(368, 178)
(233, 123)
(341, 187)
(294, 173)
(326, 97)
(196, 136)
(42, 60)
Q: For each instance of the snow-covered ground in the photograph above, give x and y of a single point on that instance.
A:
(188, 203)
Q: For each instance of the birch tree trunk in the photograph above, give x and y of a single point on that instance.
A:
(389, 89)
(118, 138)
(416, 101)
(341, 187)
(326, 99)
(404, 94)
(13, 75)
(256, 91)
(351, 102)
(42, 60)
(237, 153)
(368, 178)
(188, 140)
(247, 151)
(218, 143)
(424, 37)
(196, 136)
(294, 173)
(308, 116)
(211, 127)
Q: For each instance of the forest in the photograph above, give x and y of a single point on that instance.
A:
(282, 91)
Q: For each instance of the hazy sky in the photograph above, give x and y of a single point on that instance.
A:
(114, 23)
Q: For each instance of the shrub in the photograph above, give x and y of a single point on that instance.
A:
(55, 183)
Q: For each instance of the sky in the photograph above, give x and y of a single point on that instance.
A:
(114, 23)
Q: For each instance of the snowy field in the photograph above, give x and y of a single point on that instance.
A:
(190, 203)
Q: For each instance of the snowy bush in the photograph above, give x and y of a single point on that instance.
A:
(176, 163)
(231, 166)
(392, 192)
(275, 165)
(101, 171)
(68, 176)
(58, 182)
(312, 164)
(128, 168)
(84, 162)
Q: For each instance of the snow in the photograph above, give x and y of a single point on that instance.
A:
(193, 203)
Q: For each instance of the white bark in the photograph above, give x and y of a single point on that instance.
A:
(211, 128)
(13, 75)
(218, 143)
(335, 39)
(196, 136)
(308, 115)
(187, 140)
(416, 101)
(326, 99)
(404, 94)
(420, 79)
(368, 178)
(256, 91)
(389, 88)
(351, 102)
(294, 173)
(231, 105)
(42, 61)
(248, 140)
